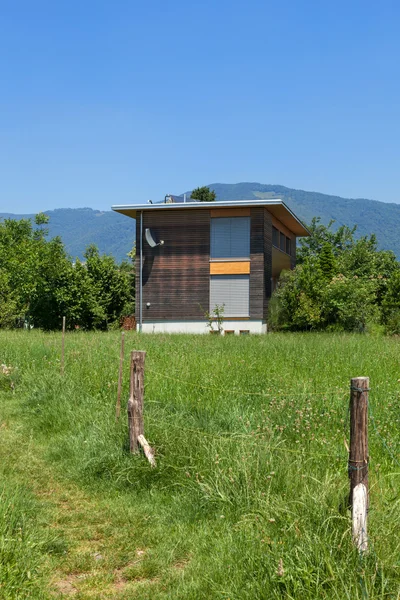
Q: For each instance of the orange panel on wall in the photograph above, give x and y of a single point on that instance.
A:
(230, 212)
(230, 268)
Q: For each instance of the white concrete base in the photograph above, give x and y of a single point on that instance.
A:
(253, 326)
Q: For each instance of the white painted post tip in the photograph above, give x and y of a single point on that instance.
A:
(148, 451)
(359, 517)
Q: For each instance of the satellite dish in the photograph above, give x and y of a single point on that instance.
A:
(150, 239)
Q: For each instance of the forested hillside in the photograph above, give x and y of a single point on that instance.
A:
(111, 232)
(114, 233)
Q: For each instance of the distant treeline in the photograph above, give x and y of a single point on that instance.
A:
(39, 282)
(339, 284)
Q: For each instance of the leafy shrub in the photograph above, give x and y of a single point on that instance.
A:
(348, 303)
(339, 284)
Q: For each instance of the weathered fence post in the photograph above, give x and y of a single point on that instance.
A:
(358, 459)
(135, 408)
(62, 346)
(135, 402)
(121, 363)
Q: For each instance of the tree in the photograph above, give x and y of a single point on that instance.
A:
(40, 284)
(296, 303)
(391, 305)
(339, 283)
(349, 304)
(204, 194)
(21, 248)
(54, 293)
(42, 219)
(340, 240)
(129, 268)
(327, 261)
(111, 286)
(91, 294)
(8, 301)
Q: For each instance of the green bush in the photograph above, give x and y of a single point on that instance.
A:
(340, 284)
(348, 304)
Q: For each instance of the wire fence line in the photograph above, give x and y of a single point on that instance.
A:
(381, 438)
(301, 452)
(242, 392)
(340, 394)
(230, 436)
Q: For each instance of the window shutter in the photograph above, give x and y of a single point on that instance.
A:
(230, 237)
(240, 237)
(220, 238)
(233, 292)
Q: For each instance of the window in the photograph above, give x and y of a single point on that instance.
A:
(275, 236)
(281, 241)
(230, 237)
(233, 292)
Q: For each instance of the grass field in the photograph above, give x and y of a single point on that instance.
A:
(248, 500)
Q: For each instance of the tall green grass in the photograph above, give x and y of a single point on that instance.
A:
(25, 540)
(249, 494)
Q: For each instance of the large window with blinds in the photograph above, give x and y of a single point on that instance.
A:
(230, 237)
(233, 292)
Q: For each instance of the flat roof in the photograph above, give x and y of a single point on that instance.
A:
(276, 207)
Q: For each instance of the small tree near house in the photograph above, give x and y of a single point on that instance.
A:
(215, 317)
(204, 194)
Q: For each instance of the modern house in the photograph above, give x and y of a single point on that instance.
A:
(192, 256)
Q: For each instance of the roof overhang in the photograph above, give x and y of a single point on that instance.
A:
(276, 207)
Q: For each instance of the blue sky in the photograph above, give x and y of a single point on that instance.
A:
(118, 102)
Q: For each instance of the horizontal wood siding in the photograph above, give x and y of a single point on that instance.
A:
(267, 260)
(176, 275)
(257, 263)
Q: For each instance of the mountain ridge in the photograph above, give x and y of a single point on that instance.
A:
(114, 233)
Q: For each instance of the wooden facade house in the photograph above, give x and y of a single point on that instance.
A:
(192, 256)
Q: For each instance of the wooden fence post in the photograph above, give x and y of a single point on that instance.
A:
(62, 346)
(135, 408)
(358, 459)
(135, 402)
(121, 363)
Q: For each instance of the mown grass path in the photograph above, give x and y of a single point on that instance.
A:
(248, 497)
(87, 541)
